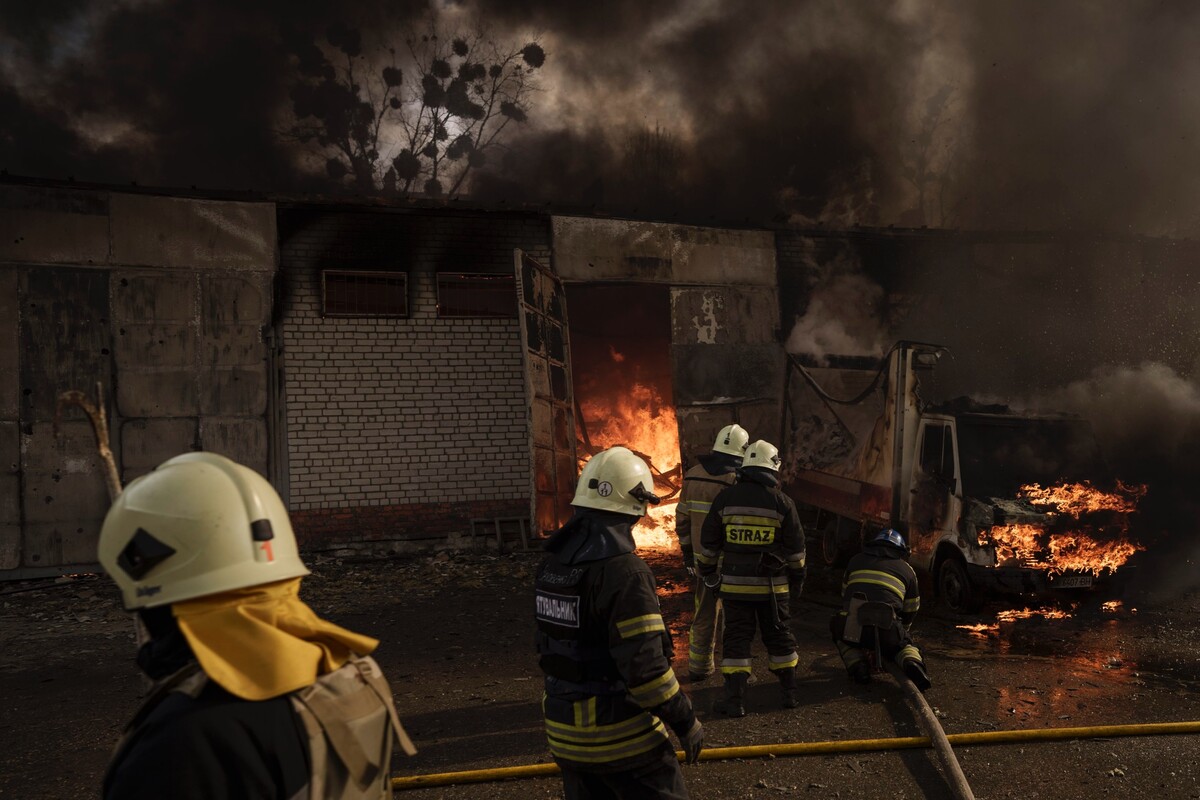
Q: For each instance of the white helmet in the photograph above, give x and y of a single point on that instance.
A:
(197, 525)
(731, 440)
(615, 480)
(762, 454)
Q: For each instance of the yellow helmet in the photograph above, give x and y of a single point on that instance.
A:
(762, 454)
(615, 480)
(197, 525)
(731, 440)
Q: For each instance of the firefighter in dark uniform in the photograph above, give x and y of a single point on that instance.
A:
(752, 553)
(880, 573)
(204, 553)
(610, 692)
(716, 471)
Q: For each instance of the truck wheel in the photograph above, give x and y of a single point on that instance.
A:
(835, 550)
(954, 587)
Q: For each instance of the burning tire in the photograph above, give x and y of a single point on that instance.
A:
(954, 587)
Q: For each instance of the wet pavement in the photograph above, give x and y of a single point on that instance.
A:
(457, 647)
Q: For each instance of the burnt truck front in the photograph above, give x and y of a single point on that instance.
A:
(1032, 518)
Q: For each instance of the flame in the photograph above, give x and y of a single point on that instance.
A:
(1076, 550)
(645, 423)
(1077, 499)
(1009, 616)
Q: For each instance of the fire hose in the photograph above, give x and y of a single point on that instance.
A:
(824, 748)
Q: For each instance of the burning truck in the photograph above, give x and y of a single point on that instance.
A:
(993, 501)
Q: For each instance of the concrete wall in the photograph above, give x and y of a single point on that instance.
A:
(162, 300)
(401, 431)
(588, 249)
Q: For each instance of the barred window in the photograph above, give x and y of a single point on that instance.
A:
(347, 293)
(476, 295)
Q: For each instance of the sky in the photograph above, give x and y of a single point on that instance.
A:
(948, 113)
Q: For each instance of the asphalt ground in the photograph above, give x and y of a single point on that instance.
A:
(457, 646)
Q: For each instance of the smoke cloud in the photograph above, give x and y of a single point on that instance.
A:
(923, 112)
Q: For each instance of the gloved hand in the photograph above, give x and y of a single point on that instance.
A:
(692, 742)
(712, 582)
(689, 562)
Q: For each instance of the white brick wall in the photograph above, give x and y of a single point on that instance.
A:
(399, 411)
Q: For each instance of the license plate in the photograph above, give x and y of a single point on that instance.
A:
(1072, 582)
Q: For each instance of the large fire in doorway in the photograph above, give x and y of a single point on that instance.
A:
(640, 419)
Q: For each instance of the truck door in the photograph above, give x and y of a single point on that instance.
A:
(935, 500)
(726, 363)
(542, 311)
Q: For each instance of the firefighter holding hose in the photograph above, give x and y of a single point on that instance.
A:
(610, 692)
(752, 555)
(717, 470)
(255, 696)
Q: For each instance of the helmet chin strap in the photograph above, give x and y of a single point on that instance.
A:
(639, 492)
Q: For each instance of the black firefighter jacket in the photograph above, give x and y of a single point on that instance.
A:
(604, 649)
(753, 536)
(880, 573)
(214, 746)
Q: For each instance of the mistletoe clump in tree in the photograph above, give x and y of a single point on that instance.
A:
(424, 121)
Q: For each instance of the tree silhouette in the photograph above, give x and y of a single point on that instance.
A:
(418, 119)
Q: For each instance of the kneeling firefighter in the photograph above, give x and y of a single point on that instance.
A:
(604, 648)
(752, 554)
(255, 696)
(880, 573)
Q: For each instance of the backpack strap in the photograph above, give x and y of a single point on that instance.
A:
(373, 675)
(329, 717)
(325, 717)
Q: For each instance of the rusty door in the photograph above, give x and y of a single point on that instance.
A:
(727, 363)
(548, 393)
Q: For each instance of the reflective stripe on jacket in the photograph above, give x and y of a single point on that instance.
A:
(880, 574)
(700, 488)
(607, 657)
(753, 536)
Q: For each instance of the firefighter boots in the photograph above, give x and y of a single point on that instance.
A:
(914, 670)
(787, 686)
(735, 690)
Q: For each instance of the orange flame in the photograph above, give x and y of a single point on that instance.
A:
(1077, 499)
(1009, 616)
(642, 421)
(1080, 550)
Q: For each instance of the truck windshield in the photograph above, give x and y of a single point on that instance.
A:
(999, 454)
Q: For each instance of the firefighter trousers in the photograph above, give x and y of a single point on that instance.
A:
(661, 779)
(707, 622)
(895, 643)
(742, 617)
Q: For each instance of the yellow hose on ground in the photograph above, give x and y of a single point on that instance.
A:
(819, 748)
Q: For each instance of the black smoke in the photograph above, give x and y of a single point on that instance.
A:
(1021, 115)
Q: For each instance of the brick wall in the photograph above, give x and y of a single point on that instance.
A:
(400, 431)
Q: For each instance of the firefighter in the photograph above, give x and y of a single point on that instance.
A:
(716, 471)
(752, 554)
(880, 573)
(251, 687)
(604, 649)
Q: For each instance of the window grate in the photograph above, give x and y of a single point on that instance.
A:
(476, 295)
(346, 293)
